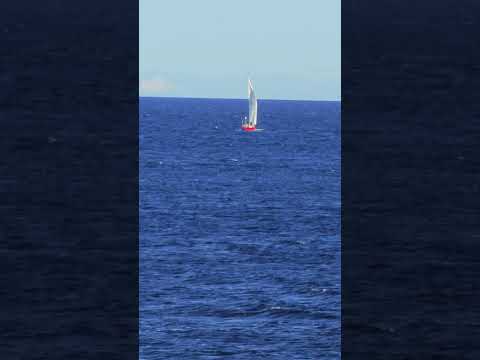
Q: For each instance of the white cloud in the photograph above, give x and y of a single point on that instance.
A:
(155, 86)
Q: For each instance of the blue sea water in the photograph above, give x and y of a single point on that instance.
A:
(239, 232)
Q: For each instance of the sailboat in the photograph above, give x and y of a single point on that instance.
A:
(250, 124)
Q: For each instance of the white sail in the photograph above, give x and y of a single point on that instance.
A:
(252, 104)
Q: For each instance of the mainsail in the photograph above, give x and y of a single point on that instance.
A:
(252, 104)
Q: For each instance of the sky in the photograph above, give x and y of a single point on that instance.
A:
(291, 49)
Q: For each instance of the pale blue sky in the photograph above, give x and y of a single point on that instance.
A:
(208, 48)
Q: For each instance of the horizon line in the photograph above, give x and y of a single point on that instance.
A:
(228, 98)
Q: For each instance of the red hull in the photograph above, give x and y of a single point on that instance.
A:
(249, 128)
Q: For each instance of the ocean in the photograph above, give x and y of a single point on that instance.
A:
(239, 232)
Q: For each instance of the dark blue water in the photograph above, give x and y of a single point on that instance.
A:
(240, 232)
